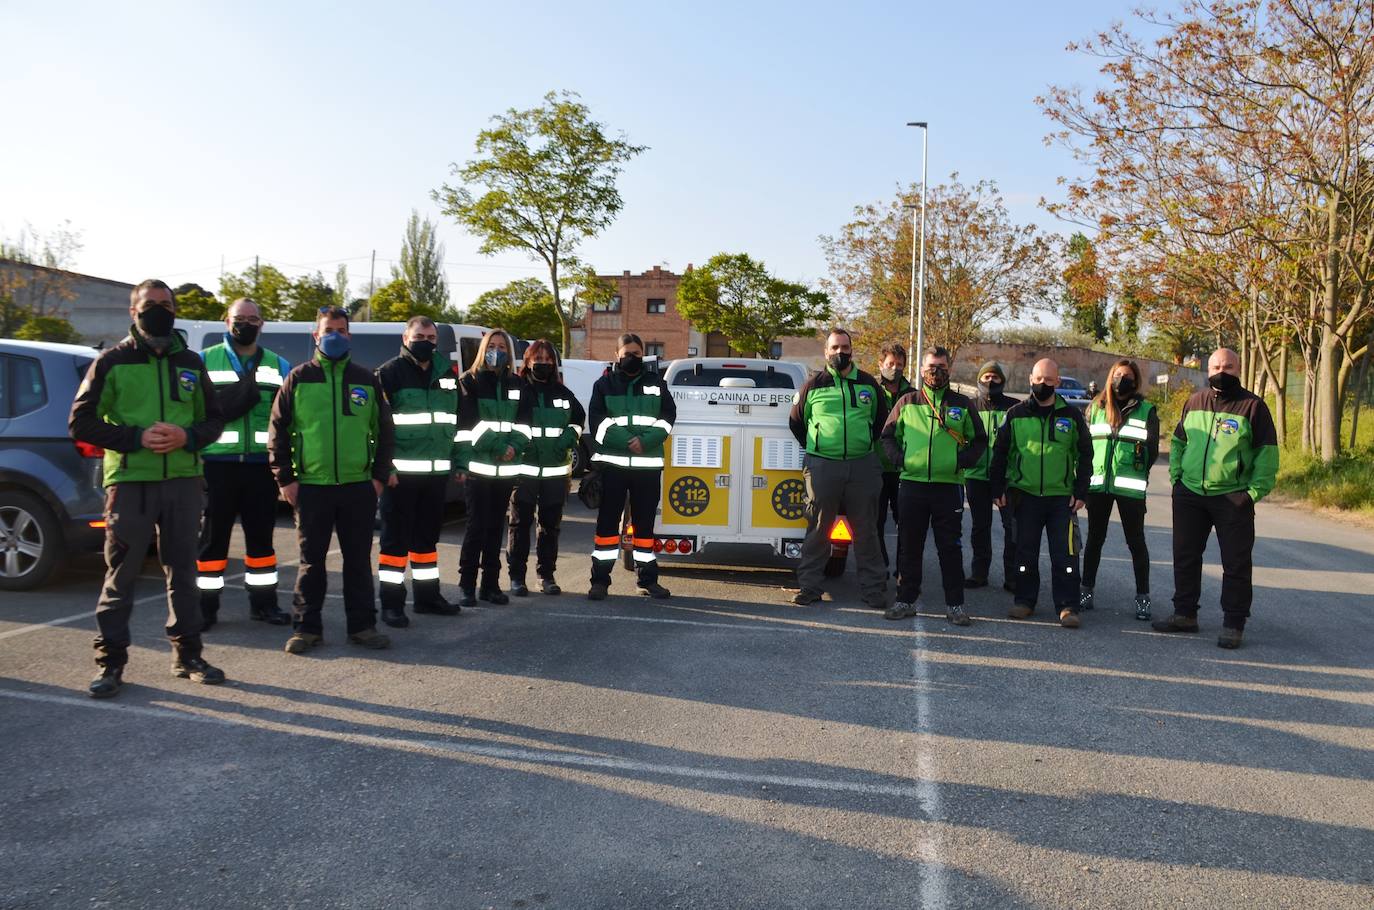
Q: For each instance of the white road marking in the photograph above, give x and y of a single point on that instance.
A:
(678, 622)
(932, 888)
(506, 753)
(87, 614)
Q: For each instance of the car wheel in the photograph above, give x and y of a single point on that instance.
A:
(30, 541)
(579, 460)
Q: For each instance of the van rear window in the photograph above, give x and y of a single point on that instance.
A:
(710, 377)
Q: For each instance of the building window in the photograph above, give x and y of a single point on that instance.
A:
(775, 350)
(654, 349)
(658, 305)
(607, 306)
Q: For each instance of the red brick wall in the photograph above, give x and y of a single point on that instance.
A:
(667, 328)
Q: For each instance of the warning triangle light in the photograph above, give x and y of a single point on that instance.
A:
(840, 532)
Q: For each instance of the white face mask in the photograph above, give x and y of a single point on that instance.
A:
(888, 373)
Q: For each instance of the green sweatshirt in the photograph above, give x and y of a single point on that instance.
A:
(934, 435)
(330, 426)
(1225, 444)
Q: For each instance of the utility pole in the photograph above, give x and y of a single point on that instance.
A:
(920, 314)
(255, 275)
(371, 286)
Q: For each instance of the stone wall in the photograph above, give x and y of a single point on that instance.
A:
(1082, 364)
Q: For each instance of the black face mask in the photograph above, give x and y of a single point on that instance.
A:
(156, 322)
(631, 364)
(1124, 387)
(245, 333)
(1043, 392)
(542, 372)
(839, 361)
(422, 351)
(1224, 382)
(992, 389)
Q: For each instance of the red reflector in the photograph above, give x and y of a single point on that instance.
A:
(684, 547)
(669, 546)
(96, 524)
(87, 450)
(658, 546)
(840, 532)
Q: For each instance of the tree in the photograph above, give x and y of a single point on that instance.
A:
(586, 290)
(264, 284)
(194, 302)
(733, 294)
(1085, 290)
(421, 266)
(48, 328)
(391, 302)
(981, 268)
(341, 298)
(524, 308)
(46, 290)
(304, 297)
(549, 175)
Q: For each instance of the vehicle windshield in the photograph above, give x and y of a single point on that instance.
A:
(710, 377)
(1069, 383)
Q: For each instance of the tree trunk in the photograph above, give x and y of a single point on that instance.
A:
(565, 331)
(1361, 385)
(1281, 397)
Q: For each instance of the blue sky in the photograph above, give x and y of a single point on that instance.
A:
(172, 134)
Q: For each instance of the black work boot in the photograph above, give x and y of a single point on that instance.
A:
(518, 588)
(392, 598)
(548, 586)
(108, 683)
(262, 607)
(188, 664)
(493, 595)
(1176, 622)
(209, 610)
(469, 598)
(428, 599)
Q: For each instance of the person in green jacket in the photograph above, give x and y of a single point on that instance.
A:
(150, 405)
(330, 442)
(1223, 458)
(1041, 464)
(556, 420)
(992, 404)
(892, 380)
(238, 481)
(421, 389)
(935, 434)
(1125, 432)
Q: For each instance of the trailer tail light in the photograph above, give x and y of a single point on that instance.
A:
(670, 546)
(684, 547)
(97, 524)
(86, 450)
(840, 532)
(658, 545)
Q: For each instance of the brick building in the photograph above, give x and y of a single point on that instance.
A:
(646, 304)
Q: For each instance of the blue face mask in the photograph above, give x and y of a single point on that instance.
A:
(334, 345)
(496, 359)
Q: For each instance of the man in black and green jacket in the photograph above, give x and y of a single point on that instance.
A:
(150, 405)
(1223, 459)
(1042, 463)
(330, 443)
(836, 418)
(934, 434)
(992, 404)
(420, 387)
(892, 380)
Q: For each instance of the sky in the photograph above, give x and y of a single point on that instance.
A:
(177, 135)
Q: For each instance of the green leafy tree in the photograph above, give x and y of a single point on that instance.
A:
(734, 295)
(549, 182)
(391, 302)
(48, 328)
(1085, 289)
(421, 266)
(266, 285)
(12, 316)
(304, 298)
(585, 290)
(194, 302)
(341, 298)
(524, 308)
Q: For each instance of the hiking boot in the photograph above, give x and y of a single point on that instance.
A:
(108, 683)
(550, 587)
(518, 589)
(1020, 611)
(493, 596)
(1068, 618)
(656, 591)
(269, 613)
(1142, 607)
(370, 639)
(1229, 638)
(1176, 622)
(469, 598)
(805, 598)
(974, 581)
(1009, 587)
(197, 670)
(395, 617)
(900, 609)
(957, 615)
(598, 592)
(300, 642)
(1085, 600)
(209, 613)
(438, 606)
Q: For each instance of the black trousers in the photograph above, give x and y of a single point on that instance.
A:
(543, 497)
(888, 501)
(134, 512)
(1047, 516)
(1132, 512)
(939, 506)
(321, 512)
(246, 493)
(641, 487)
(1233, 516)
(412, 516)
(980, 510)
(487, 500)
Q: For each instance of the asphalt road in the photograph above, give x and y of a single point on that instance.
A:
(721, 750)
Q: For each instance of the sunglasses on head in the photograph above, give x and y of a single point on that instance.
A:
(333, 312)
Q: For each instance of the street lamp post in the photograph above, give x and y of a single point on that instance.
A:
(916, 329)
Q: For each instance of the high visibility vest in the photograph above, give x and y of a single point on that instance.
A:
(1121, 454)
(425, 417)
(248, 434)
(553, 431)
